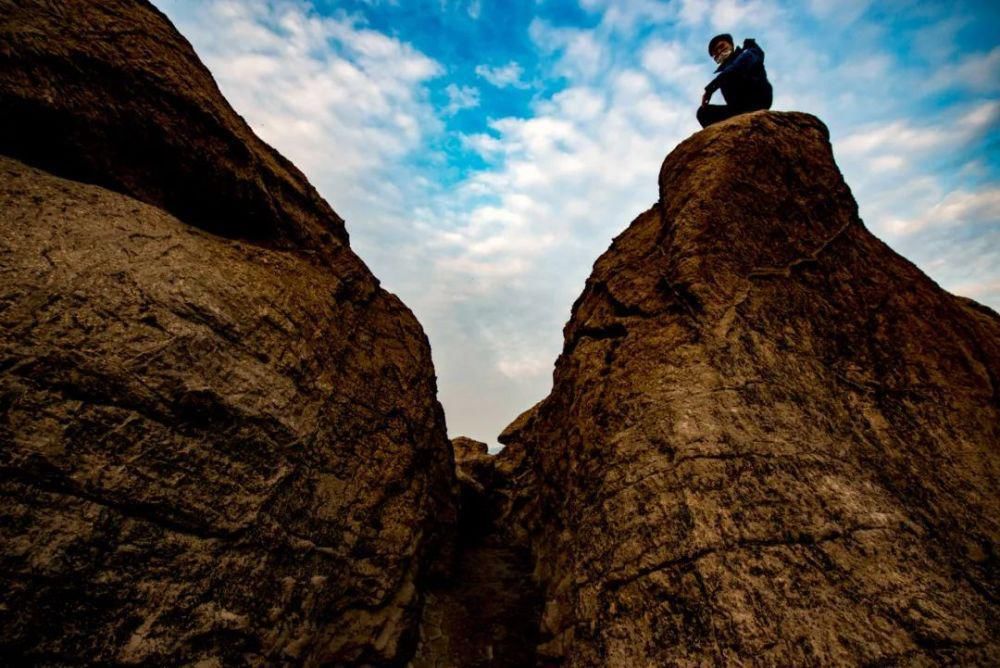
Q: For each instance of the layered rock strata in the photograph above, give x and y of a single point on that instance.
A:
(219, 437)
(771, 439)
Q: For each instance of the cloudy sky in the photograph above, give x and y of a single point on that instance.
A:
(485, 152)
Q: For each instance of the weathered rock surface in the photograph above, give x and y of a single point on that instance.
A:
(468, 449)
(771, 440)
(217, 450)
(487, 611)
(108, 92)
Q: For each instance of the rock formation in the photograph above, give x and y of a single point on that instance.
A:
(486, 612)
(771, 440)
(110, 93)
(220, 441)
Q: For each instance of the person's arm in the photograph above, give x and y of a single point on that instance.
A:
(741, 63)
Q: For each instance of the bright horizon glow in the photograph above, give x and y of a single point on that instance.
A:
(484, 152)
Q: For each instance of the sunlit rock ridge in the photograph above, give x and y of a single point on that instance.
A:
(771, 439)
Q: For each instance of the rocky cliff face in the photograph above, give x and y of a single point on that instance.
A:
(110, 93)
(770, 438)
(219, 438)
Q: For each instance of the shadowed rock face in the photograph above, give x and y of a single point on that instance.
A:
(211, 449)
(770, 438)
(486, 612)
(108, 92)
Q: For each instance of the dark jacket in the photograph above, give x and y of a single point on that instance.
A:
(742, 78)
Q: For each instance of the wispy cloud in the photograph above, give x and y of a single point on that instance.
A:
(482, 190)
(460, 97)
(906, 137)
(725, 14)
(977, 72)
(342, 101)
(503, 76)
(955, 209)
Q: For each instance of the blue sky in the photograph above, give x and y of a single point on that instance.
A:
(484, 153)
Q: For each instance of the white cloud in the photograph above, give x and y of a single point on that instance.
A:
(694, 11)
(900, 143)
(483, 144)
(626, 15)
(503, 76)
(977, 72)
(581, 53)
(460, 97)
(956, 208)
(668, 62)
(939, 37)
(868, 68)
(524, 367)
(342, 101)
(841, 11)
(729, 15)
(895, 135)
(726, 14)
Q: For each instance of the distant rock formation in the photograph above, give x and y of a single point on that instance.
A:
(487, 611)
(216, 449)
(468, 448)
(771, 439)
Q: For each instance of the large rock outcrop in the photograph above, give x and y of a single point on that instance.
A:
(110, 93)
(219, 437)
(771, 440)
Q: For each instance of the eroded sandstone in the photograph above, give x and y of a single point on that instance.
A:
(219, 437)
(771, 439)
(486, 612)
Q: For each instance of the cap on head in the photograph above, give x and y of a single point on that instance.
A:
(724, 37)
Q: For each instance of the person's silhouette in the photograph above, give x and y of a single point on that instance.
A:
(740, 76)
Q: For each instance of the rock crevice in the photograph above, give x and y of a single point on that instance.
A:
(486, 612)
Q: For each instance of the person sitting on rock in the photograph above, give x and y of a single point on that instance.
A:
(741, 77)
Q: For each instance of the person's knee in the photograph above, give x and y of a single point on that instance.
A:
(703, 116)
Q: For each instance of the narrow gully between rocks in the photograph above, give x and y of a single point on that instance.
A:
(488, 612)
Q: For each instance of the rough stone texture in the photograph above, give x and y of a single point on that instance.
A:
(474, 472)
(226, 450)
(108, 92)
(204, 452)
(467, 448)
(487, 611)
(771, 440)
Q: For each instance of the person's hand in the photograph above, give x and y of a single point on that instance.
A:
(705, 98)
